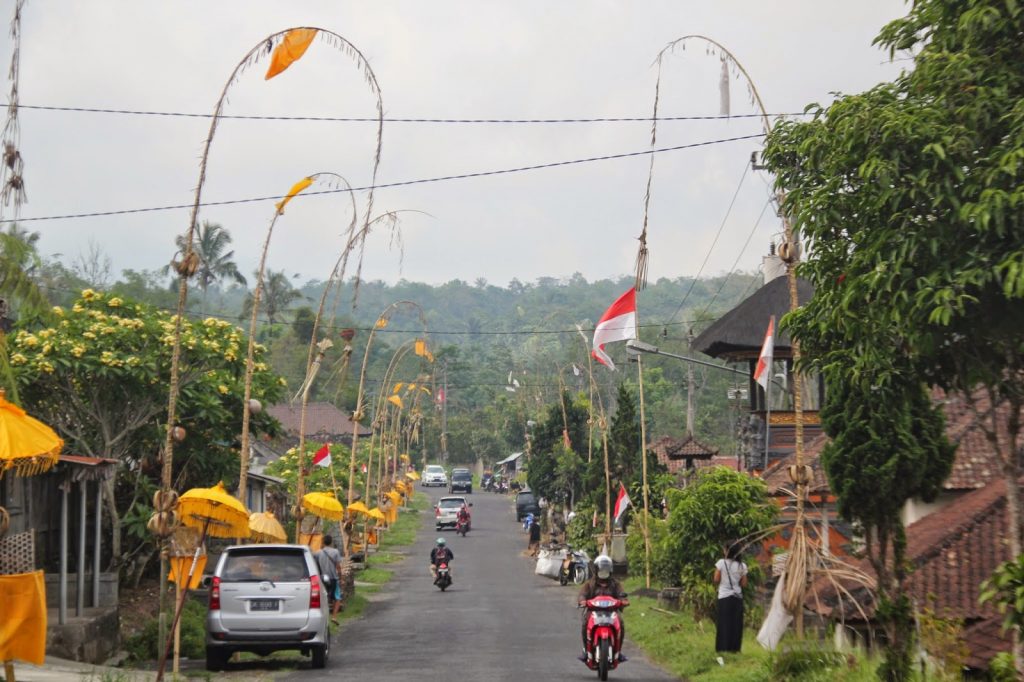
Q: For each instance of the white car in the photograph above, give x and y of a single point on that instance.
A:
(434, 475)
(447, 510)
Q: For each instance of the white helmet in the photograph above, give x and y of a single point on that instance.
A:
(603, 566)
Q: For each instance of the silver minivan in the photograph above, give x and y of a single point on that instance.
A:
(266, 598)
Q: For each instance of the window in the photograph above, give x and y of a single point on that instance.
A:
(260, 565)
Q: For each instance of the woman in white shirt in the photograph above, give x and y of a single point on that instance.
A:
(731, 578)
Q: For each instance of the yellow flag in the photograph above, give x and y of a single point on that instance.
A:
(426, 390)
(290, 50)
(398, 387)
(396, 400)
(296, 188)
(381, 322)
(421, 347)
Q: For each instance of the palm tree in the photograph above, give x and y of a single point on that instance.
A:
(278, 294)
(215, 262)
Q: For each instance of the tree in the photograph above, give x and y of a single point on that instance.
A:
(98, 377)
(909, 197)
(719, 507)
(887, 446)
(278, 294)
(624, 438)
(215, 262)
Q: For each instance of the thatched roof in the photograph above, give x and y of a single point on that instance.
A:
(742, 329)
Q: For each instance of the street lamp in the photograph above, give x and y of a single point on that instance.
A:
(634, 347)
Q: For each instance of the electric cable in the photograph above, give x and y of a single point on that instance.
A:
(387, 185)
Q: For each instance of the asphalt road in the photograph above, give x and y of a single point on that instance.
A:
(498, 620)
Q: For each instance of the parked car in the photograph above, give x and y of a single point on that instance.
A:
(462, 482)
(266, 598)
(447, 510)
(434, 475)
(526, 503)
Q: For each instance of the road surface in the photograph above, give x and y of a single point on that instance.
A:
(498, 621)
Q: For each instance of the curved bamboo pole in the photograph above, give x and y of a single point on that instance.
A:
(243, 474)
(379, 409)
(602, 423)
(357, 415)
(795, 589)
(189, 260)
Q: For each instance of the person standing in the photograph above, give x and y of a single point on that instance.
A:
(534, 545)
(731, 578)
(328, 560)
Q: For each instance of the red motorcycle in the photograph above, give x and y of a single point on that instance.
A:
(462, 526)
(444, 577)
(604, 634)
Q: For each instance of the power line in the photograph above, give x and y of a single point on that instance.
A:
(738, 257)
(480, 174)
(746, 167)
(358, 119)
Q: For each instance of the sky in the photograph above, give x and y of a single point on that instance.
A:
(457, 59)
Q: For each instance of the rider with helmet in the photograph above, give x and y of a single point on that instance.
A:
(463, 515)
(602, 585)
(440, 554)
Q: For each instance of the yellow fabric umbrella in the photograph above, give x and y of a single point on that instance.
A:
(264, 527)
(324, 505)
(358, 507)
(412, 475)
(395, 496)
(376, 513)
(26, 444)
(216, 511)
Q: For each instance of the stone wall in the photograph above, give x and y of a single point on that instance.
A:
(91, 638)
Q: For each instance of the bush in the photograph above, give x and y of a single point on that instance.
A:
(144, 645)
(806, 661)
(664, 569)
(580, 531)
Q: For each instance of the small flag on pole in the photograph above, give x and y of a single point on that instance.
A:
(322, 457)
(763, 372)
(594, 522)
(621, 502)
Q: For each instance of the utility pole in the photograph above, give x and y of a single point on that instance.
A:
(689, 385)
(444, 414)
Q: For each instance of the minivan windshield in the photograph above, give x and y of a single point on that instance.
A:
(524, 497)
(435, 469)
(258, 565)
(462, 475)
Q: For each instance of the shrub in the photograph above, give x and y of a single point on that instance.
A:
(144, 645)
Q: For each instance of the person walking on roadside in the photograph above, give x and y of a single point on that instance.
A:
(731, 578)
(328, 560)
(534, 546)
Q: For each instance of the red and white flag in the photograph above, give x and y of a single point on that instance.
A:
(617, 324)
(439, 399)
(594, 522)
(763, 371)
(322, 457)
(621, 502)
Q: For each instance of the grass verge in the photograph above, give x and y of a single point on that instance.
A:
(685, 647)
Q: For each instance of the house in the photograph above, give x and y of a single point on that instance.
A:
(737, 337)
(509, 466)
(324, 423)
(678, 455)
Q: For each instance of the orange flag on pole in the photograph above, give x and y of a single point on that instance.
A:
(296, 188)
(290, 50)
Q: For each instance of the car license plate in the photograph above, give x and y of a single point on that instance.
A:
(264, 604)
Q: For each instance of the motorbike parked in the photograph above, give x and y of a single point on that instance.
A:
(575, 567)
(444, 576)
(604, 634)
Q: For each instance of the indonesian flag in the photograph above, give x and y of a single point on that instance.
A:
(617, 324)
(440, 396)
(762, 374)
(322, 457)
(621, 502)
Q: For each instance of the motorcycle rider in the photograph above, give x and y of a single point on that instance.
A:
(440, 554)
(602, 585)
(463, 517)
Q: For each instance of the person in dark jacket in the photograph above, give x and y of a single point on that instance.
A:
(602, 585)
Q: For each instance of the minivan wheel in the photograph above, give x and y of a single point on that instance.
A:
(321, 653)
(215, 659)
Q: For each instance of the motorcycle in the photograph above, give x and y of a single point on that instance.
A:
(461, 527)
(444, 576)
(575, 567)
(604, 634)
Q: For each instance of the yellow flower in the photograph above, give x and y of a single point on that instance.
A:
(223, 389)
(78, 351)
(260, 366)
(18, 359)
(77, 308)
(45, 366)
(210, 322)
(114, 302)
(29, 341)
(230, 357)
(47, 347)
(89, 335)
(88, 294)
(47, 333)
(282, 381)
(58, 311)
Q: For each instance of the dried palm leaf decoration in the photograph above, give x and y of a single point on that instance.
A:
(12, 171)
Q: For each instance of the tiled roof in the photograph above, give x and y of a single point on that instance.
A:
(321, 419)
(951, 552)
(977, 462)
(673, 452)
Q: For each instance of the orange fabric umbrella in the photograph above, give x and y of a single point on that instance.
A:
(27, 445)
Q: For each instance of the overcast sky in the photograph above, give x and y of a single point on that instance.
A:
(527, 59)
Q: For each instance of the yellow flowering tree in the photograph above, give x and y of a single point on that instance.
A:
(99, 375)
